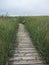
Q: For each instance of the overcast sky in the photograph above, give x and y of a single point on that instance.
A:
(24, 7)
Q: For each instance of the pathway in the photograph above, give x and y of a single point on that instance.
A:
(25, 54)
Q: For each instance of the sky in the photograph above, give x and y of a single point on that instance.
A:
(24, 7)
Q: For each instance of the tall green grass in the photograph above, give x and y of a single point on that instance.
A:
(8, 28)
(38, 28)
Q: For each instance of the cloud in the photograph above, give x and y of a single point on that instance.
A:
(24, 7)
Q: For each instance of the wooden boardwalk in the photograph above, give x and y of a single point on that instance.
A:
(25, 53)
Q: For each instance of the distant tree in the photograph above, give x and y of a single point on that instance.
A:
(21, 19)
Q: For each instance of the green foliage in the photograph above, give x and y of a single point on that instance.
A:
(8, 28)
(21, 19)
(39, 32)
